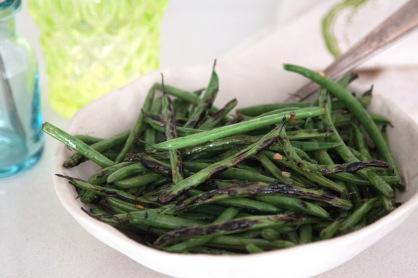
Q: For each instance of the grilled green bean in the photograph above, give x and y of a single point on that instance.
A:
(88, 139)
(305, 234)
(138, 127)
(170, 133)
(206, 101)
(138, 181)
(77, 145)
(234, 129)
(125, 172)
(219, 115)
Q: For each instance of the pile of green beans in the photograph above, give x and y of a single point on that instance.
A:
(190, 177)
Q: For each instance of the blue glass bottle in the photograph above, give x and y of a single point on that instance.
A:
(21, 141)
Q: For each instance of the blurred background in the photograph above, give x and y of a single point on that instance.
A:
(193, 32)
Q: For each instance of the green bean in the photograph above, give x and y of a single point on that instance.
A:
(249, 204)
(314, 146)
(221, 144)
(155, 165)
(138, 127)
(196, 216)
(347, 119)
(273, 170)
(111, 154)
(234, 129)
(388, 203)
(355, 107)
(159, 126)
(234, 190)
(238, 243)
(380, 120)
(125, 172)
(284, 109)
(366, 97)
(365, 100)
(103, 216)
(244, 203)
(270, 234)
(358, 215)
(292, 237)
(88, 139)
(87, 197)
(229, 227)
(206, 173)
(351, 167)
(360, 142)
(213, 210)
(101, 177)
(170, 133)
(149, 133)
(295, 205)
(138, 181)
(355, 152)
(206, 101)
(252, 248)
(350, 178)
(95, 211)
(124, 206)
(179, 93)
(302, 154)
(376, 214)
(264, 108)
(103, 191)
(227, 214)
(210, 250)
(305, 234)
(332, 229)
(217, 117)
(154, 219)
(301, 146)
(77, 145)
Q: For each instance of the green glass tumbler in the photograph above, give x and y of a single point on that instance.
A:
(91, 47)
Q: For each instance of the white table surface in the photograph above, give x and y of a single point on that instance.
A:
(38, 238)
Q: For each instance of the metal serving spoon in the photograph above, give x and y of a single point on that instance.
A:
(393, 28)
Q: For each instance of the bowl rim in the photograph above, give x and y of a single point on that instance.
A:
(73, 206)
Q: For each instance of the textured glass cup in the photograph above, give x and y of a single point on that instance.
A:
(20, 118)
(94, 46)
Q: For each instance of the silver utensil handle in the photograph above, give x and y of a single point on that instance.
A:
(394, 27)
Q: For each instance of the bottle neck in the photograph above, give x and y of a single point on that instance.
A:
(7, 27)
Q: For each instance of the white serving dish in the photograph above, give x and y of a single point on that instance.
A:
(117, 111)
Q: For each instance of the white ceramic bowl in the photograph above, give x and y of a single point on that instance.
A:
(116, 112)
